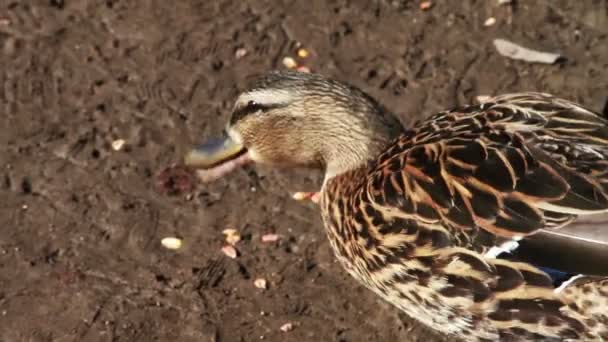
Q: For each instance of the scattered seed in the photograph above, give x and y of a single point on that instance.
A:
(287, 327)
(230, 251)
(303, 69)
(118, 144)
(230, 231)
(171, 242)
(261, 283)
(232, 236)
(316, 197)
(299, 196)
(425, 5)
(490, 21)
(289, 63)
(240, 53)
(233, 239)
(270, 237)
(303, 53)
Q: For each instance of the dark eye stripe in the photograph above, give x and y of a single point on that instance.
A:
(250, 108)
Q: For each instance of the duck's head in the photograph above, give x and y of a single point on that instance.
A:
(296, 119)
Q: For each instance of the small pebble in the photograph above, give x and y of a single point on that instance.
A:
(289, 63)
(425, 5)
(287, 327)
(118, 144)
(270, 237)
(490, 21)
(171, 242)
(5, 22)
(230, 251)
(303, 53)
(504, 2)
(261, 283)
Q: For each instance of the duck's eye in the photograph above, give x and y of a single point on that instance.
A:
(251, 107)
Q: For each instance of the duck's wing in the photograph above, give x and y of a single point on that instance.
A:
(579, 247)
(516, 166)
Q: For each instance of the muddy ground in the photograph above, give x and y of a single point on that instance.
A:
(81, 224)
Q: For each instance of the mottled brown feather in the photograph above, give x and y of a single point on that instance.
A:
(458, 183)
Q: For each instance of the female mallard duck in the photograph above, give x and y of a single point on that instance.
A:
(421, 215)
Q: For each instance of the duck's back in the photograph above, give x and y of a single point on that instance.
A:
(425, 218)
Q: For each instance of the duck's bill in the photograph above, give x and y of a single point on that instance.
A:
(216, 158)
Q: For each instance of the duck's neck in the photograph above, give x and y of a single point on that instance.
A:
(345, 156)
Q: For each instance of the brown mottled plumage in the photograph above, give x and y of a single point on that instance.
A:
(416, 214)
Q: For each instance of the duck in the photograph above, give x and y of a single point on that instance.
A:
(482, 222)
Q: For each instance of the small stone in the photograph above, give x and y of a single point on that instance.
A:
(118, 144)
(230, 251)
(286, 327)
(289, 63)
(490, 21)
(504, 2)
(171, 243)
(261, 283)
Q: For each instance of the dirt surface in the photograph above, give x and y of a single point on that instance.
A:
(81, 223)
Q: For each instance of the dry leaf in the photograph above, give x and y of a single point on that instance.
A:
(514, 51)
